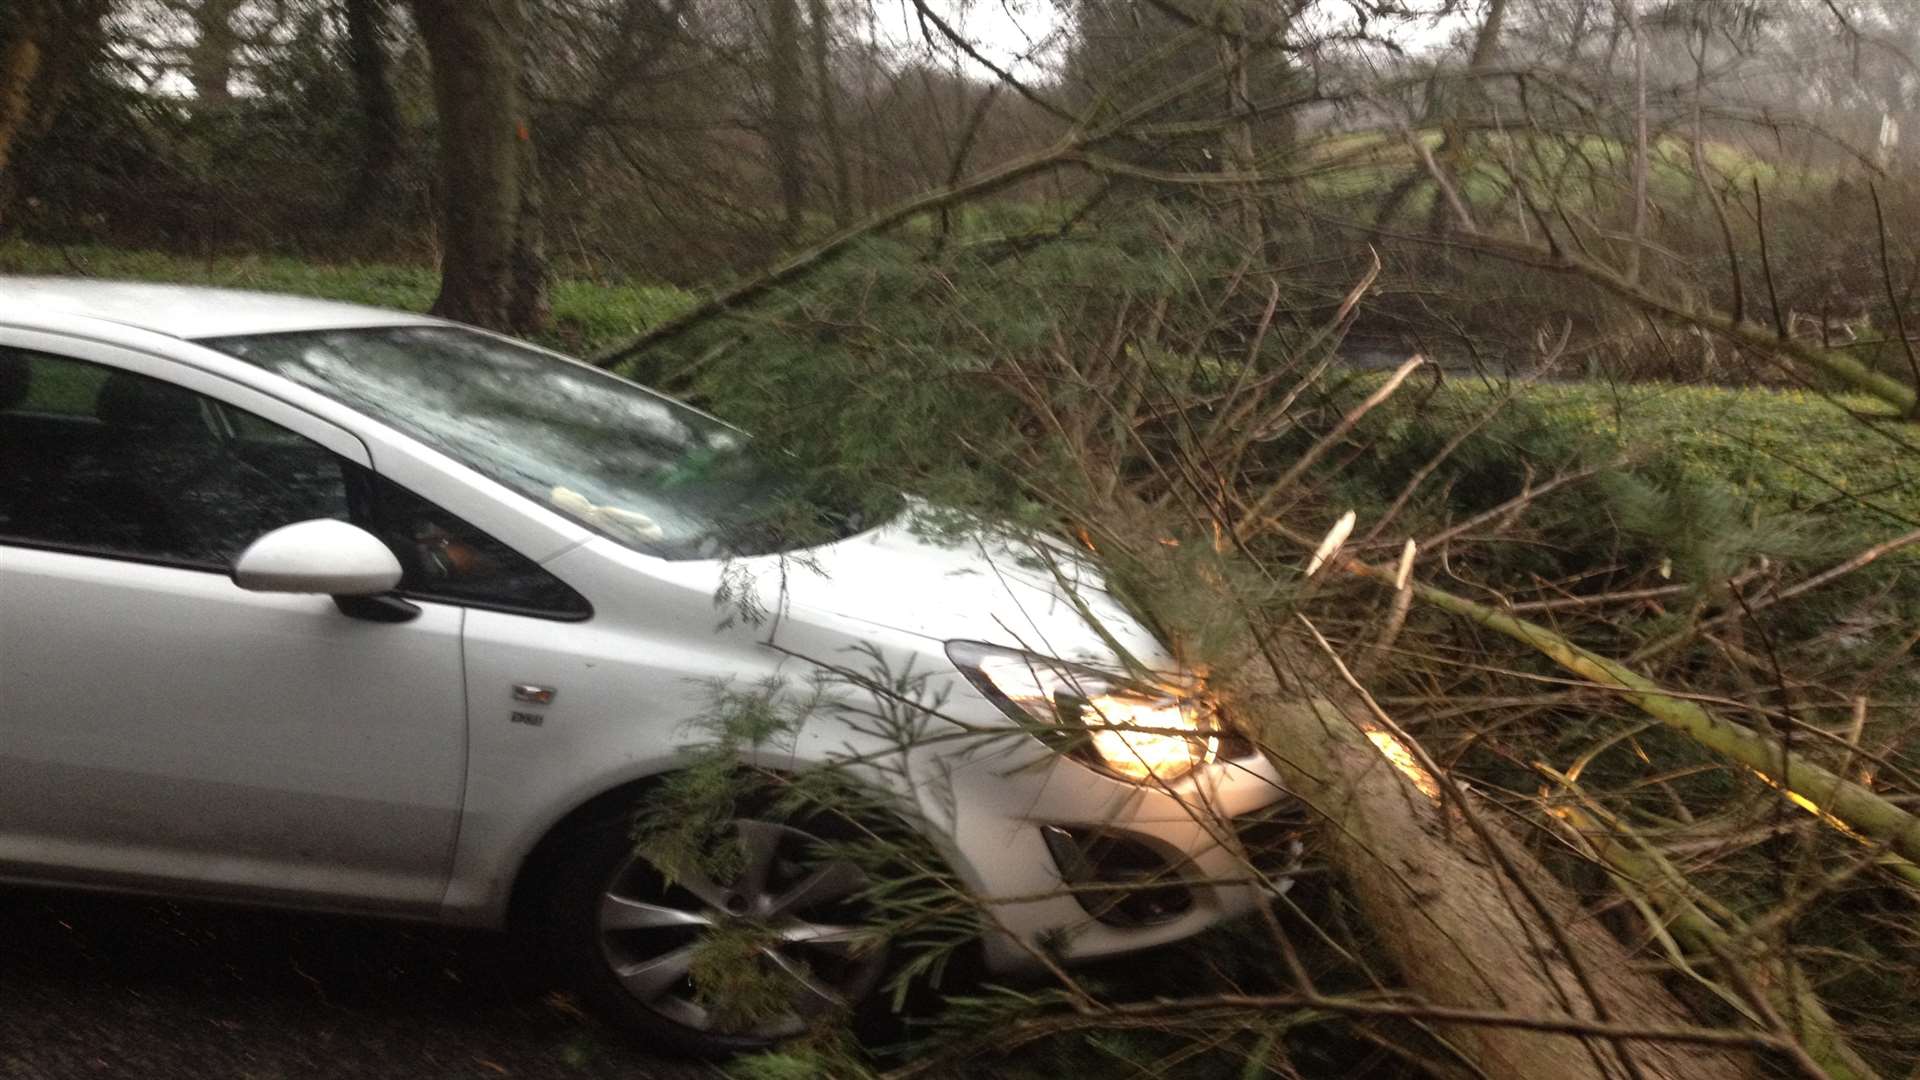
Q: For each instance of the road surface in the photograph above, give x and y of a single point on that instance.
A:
(106, 987)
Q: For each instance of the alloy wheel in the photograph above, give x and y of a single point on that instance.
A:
(797, 909)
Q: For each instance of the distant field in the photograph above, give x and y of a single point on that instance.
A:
(1369, 163)
(1787, 452)
(587, 316)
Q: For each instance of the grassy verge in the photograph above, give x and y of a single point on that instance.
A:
(587, 315)
(1792, 454)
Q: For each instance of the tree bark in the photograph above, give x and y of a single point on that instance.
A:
(527, 305)
(210, 59)
(492, 269)
(783, 133)
(1632, 11)
(45, 45)
(1445, 106)
(1454, 903)
(379, 112)
(20, 59)
(1237, 139)
(826, 93)
(1452, 153)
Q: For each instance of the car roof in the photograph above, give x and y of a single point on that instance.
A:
(185, 311)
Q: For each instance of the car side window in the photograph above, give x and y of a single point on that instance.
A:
(444, 558)
(107, 461)
(104, 461)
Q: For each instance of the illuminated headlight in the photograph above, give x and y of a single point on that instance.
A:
(1132, 729)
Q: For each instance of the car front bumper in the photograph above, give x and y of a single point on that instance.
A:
(1194, 852)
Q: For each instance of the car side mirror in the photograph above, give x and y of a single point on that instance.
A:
(318, 556)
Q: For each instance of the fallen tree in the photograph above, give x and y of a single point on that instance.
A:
(1161, 423)
(1817, 788)
(1465, 910)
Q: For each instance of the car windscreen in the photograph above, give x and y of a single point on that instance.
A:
(628, 463)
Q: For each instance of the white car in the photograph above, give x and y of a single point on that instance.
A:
(330, 607)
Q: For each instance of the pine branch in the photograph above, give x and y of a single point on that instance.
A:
(1831, 796)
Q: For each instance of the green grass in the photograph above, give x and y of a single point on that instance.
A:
(1790, 453)
(587, 316)
(1790, 450)
(1367, 164)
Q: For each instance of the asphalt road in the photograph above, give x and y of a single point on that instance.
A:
(106, 987)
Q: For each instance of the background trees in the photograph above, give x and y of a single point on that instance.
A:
(687, 139)
(47, 48)
(675, 138)
(494, 269)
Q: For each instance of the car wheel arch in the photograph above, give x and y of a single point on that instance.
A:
(619, 795)
(530, 880)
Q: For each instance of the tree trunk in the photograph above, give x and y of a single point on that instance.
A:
(1632, 9)
(869, 119)
(527, 306)
(1453, 150)
(379, 113)
(783, 134)
(492, 272)
(45, 46)
(1237, 139)
(826, 91)
(210, 59)
(20, 59)
(1467, 914)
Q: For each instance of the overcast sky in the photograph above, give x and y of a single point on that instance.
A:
(1013, 33)
(1024, 35)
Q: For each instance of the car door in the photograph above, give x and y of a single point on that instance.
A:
(160, 727)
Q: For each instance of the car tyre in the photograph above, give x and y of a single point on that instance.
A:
(623, 933)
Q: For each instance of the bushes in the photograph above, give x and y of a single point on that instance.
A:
(1788, 451)
(891, 369)
(1765, 462)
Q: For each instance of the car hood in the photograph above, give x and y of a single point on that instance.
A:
(1033, 595)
